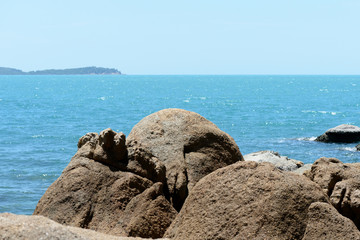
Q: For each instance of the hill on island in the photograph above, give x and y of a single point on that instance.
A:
(70, 71)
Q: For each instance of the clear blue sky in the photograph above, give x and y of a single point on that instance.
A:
(183, 37)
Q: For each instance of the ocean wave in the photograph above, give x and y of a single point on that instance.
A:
(38, 136)
(305, 139)
(349, 149)
(322, 112)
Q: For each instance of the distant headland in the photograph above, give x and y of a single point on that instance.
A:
(70, 71)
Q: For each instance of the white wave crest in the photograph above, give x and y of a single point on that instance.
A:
(350, 149)
(306, 138)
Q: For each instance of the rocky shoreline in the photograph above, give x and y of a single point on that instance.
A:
(178, 176)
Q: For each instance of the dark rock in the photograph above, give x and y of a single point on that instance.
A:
(247, 200)
(281, 162)
(358, 147)
(325, 223)
(95, 191)
(185, 143)
(341, 134)
(341, 182)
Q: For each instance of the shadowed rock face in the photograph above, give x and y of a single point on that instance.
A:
(358, 147)
(97, 191)
(247, 200)
(187, 144)
(341, 182)
(343, 134)
(325, 223)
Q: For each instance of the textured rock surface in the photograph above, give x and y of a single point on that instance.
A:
(108, 148)
(247, 200)
(303, 169)
(341, 182)
(97, 195)
(149, 213)
(343, 133)
(20, 227)
(325, 223)
(187, 144)
(358, 147)
(281, 162)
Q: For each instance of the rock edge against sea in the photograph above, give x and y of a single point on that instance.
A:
(177, 175)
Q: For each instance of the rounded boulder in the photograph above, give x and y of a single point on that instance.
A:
(187, 144)
(247, 200)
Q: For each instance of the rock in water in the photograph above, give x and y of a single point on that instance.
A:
(342, 134)
(97, 191)
(281, 162)
(358, 147)
(341, 182)
(247, 200)
(187, 144)
(325, 223)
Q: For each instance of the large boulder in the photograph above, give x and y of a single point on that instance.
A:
(20, 227)
(326, 223)
(281, 162)
(341, 182)
(247, 200)
(341, 134)
(97, 191)
(187, 144)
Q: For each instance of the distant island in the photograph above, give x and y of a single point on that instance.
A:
(70, 71)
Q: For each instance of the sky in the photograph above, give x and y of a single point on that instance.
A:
(183, 37)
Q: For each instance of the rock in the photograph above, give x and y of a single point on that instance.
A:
(247, 200)
(149, 213)
(341, 182)
(281, 162)
(341, 134)
(95, 191)
(358, 147)
(20, 227)
(303, 169)
(324, 222)
(108, 147)
(185, 143)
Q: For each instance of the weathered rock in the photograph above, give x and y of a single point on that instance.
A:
(108, 148)
(358, 147)
(324, 222)
(187, 144)
(303, 169)
(90, 194)
(343, 133)
(247, 200)
(149, 214)
(281, 162)
(20, 227)
(341, 182)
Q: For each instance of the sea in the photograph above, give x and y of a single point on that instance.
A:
(42, 118)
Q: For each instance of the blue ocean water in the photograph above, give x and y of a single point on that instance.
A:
(42, 118)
